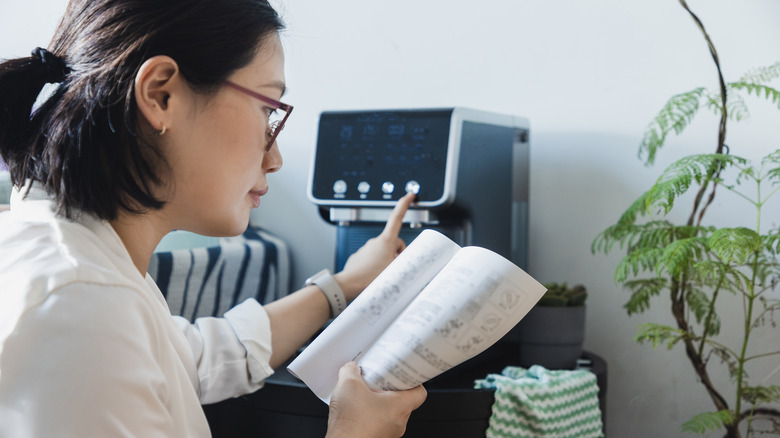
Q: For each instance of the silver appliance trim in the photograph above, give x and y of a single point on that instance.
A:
(415, 217)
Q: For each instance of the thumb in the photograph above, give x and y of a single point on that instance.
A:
(350, 370)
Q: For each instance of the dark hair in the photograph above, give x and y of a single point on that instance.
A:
(83, 143)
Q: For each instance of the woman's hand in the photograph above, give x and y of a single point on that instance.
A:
(297, 316)
(358, 411)
(365, 264)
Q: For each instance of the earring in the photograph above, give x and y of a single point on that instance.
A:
(162, 131)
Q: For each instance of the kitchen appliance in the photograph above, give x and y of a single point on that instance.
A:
(468, 168)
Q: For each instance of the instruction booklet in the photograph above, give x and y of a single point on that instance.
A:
(435, 306)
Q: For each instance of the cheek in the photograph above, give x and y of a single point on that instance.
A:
(220, 151)
(233, 140)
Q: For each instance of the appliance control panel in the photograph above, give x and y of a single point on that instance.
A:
(375, 157)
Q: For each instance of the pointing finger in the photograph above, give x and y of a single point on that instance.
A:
(394, 223)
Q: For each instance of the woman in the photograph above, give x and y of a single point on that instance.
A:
(161, 118)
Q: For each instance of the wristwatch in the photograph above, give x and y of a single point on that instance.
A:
(324, 280)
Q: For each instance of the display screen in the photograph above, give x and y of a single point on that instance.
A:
(379, 155)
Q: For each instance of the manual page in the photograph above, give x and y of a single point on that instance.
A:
(435, 306)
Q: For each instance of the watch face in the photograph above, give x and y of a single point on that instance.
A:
(309, 281)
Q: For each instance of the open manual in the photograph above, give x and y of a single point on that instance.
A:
(435, 306)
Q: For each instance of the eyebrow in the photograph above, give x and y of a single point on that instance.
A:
(277, 84)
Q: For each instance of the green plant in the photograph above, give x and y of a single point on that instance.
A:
(560, 295)
(696, 265)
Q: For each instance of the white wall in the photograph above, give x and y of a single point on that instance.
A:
(588, 75)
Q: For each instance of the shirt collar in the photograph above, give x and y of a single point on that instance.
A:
(31, 202)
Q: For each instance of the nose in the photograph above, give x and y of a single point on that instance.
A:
(272, 161)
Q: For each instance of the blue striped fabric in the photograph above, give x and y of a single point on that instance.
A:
(208, 281)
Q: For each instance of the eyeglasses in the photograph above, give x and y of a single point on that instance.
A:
(276, 120)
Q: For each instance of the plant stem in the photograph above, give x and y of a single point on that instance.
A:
(678, 310)
(775, 190)
(708, 319)
(712, 172)
(766, 310)
(751, 298)
(758, 356)
(748, 328)
(772, 415)
(722, 83)
(678, 306)
(759, 202)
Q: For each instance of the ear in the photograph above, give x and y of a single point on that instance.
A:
(154, 85)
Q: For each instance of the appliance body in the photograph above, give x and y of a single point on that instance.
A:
(469, 169)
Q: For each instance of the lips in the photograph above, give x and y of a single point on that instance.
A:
(255, 195)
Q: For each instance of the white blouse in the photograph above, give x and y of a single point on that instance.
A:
(88, 347)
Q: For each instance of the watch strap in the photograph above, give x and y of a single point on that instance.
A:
(328, 285)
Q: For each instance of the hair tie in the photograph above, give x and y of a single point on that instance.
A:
(56, 69)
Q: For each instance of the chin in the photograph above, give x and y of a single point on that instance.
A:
(235, 229)
(227, 227)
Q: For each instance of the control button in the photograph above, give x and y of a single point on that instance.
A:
(387, 187)
(413, 186)
(340, 187)
(364, 187)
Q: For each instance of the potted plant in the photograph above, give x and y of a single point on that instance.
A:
(552, 333)
(688, 267)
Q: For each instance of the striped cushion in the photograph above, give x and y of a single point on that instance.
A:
(207, 281)
(538, 403)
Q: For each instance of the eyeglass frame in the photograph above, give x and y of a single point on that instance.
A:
(275, 130)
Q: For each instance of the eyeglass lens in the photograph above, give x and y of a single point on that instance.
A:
(275, 121)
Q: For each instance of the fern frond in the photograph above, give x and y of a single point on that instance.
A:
(659, 234)
(746, 173)
(734, 245)
(606, 239)
(767, 274)
(762, 75)
(737, 108)
(772, 158)
(699, 303)
(678, 177)
(680, 255)
(708, 422)
(658, 334)
(674, 116)
(729, 360)
(707, 272)
(735, 104)
(636, 262)
(761, 394)
(771, 241)
(655, 234)
(769, 93)
(623, 229)
(770, 305)
(713, 328)
(641, 292)
(773, 162)
(636, 209)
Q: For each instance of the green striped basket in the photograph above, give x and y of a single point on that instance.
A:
(536, 403)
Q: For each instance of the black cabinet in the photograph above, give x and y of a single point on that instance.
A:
(285, 407)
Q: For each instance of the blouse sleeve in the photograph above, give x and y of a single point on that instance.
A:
(231, 353)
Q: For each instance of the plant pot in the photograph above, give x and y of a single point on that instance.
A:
(551, 337)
